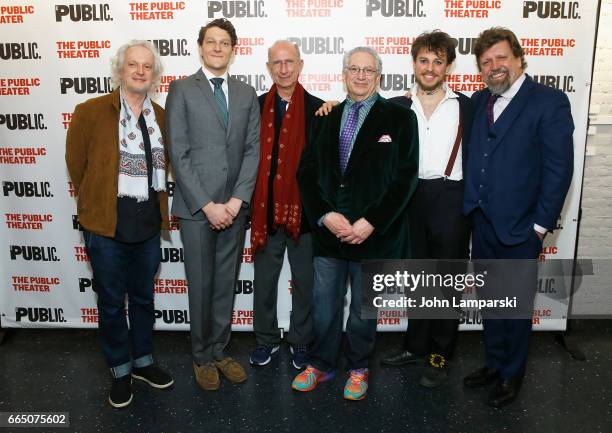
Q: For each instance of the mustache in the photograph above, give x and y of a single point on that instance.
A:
(498, 70)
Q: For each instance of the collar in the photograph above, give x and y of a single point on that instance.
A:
(448, 92)
(124, 101)
(513, 90)
(278, 98)
(208, 74)
(369, 101)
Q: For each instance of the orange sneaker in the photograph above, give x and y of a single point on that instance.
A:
(308, 379)
(356, 386)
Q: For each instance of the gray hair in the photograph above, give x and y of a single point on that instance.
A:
(288, 42)
(118, 61)
(368, 50)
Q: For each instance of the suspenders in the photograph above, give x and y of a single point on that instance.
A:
(453, 155)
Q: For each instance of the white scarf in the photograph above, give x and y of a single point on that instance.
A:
(133, 178)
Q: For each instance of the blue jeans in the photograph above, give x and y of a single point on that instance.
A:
(330, 277)
(120, 268)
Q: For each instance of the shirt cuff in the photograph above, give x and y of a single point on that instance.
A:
(540, 229)
(320, 221)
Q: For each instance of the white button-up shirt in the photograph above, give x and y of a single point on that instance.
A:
(506, 97)
(437, 136)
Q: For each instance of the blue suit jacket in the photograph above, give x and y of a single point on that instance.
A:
(519, 170)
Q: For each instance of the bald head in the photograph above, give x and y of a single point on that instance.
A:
(283, 44)
(285, 66)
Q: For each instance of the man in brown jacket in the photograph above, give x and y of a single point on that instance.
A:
(117, 162)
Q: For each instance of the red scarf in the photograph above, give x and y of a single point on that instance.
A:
(286, 200)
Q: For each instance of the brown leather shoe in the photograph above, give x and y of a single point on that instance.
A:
(231, 369)
(207, 376)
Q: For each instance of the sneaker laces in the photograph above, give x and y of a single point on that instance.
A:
(358, 375)
(310, 370)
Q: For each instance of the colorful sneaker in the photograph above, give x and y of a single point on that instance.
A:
(300, 356)
(356, 386)
(308, 379)
(262, 355)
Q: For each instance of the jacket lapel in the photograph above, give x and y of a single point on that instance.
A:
(204, 85)
(480, 112)
(115, 101)
(467, 118)
(232, 101)
(506, 120)
(335, 117)
(113, 129)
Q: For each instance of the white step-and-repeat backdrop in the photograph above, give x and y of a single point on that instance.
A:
(55, 54)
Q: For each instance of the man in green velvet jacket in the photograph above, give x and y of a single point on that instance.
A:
(356, 179)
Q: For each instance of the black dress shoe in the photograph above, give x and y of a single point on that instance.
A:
(504, 392)
(400, 358)
(434, 377)
(481, 377)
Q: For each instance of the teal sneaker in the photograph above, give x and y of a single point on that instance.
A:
(356, 386)
(308, 379)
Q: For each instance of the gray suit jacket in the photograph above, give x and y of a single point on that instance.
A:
(210, 162)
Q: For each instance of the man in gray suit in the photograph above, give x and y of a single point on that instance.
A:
(213, 130)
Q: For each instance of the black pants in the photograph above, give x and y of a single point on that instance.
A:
(438, 230)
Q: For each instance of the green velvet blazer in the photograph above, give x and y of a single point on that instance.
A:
(379, 180)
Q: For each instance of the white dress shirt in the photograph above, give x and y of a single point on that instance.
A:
(506, 97)
(437, 136)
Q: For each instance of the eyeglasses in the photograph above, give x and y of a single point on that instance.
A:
(369, 72)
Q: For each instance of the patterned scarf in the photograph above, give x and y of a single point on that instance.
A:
(286, 200)
(133, 179)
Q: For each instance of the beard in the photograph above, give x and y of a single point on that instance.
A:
(428, 88)
(498, 87)
(137, 90)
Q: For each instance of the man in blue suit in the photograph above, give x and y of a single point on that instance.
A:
(518, 173)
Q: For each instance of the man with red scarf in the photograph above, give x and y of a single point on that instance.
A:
(278, 223)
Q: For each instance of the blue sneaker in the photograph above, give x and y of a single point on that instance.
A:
(300, 356)
(262, 355)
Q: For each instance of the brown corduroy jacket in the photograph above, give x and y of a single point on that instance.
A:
(92, 157)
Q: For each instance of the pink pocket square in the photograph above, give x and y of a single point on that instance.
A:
(385, 138)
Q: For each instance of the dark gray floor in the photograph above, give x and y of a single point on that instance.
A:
(62, 370)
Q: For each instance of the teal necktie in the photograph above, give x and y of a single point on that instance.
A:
(220, 98)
